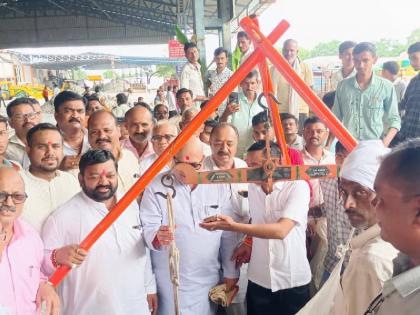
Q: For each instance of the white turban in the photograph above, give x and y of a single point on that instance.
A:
(362, 164)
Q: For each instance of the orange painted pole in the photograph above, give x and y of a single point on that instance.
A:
(167, 155)
(267, 84)
(274, 110)
(317, 106)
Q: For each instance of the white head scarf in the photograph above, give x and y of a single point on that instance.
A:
(362, 164)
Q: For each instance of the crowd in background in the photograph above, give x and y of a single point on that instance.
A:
(255, 248)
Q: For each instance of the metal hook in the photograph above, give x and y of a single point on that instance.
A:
(260, 103)
(168, 182)
(263, 95)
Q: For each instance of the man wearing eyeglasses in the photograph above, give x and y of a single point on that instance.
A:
(397, 206)
(22, 117)
(199, 249)
(23, 285)
(370, 263)
(103, 133)
(163, 134)
(115, 277)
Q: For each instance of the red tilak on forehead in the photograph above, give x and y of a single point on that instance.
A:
(103, 172)
(187, 157)
(49, 142)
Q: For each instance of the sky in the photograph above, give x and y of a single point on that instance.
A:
(311, 22)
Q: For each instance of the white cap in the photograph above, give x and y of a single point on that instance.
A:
(362, 164)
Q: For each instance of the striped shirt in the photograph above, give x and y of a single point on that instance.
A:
(410, 127)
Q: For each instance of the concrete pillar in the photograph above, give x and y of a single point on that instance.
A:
(199, 28)
(226, 12)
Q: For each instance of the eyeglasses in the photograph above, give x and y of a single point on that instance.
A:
(195, 165)
(28, 116)
(16, 197)
(159, 138)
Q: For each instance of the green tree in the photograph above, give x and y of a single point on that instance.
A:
(414, 36)
(79, 74)
(166, 70)
(110, 74)
(304, 53)
(389, 47)
(326, 49)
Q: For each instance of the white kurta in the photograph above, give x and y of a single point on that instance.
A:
(128, 170)
(240, 213)
(46, 196)
(147, 162)
(114, 278)
(199, 249)
(370, 265)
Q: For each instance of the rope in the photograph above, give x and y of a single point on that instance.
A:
(173, 255)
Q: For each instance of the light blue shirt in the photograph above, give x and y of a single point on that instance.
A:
(242, 120)
(367, 114)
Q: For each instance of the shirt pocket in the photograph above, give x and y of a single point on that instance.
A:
(208, 210)
(31, 278)
(374, 110)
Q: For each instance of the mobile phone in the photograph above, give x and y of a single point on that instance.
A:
(233, 98)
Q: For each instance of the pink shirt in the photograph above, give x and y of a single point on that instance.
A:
(20, 270)
(126, 144)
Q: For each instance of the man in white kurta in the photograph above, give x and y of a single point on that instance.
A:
(224, 143)
(46, 186)
(103, 133)
(115, 276)
(163, 134)
(45, 196)
(199, 250)
(371, 259)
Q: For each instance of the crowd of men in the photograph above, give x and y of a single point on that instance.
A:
(349, 243)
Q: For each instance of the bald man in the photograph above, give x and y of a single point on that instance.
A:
(187, 116)
(199, 250)
(103, 133)
(23, 286)
(139, 124)
(162, 136)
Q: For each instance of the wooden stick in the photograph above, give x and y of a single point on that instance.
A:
(173, 254)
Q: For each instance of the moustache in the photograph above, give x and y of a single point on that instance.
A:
(222, 153)
(74, 120)
(351, 212)
(142, 134)
(314, 138)
(28, 124)
(109, 187)
(48, 157)
(103, 140)
(7, 208)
